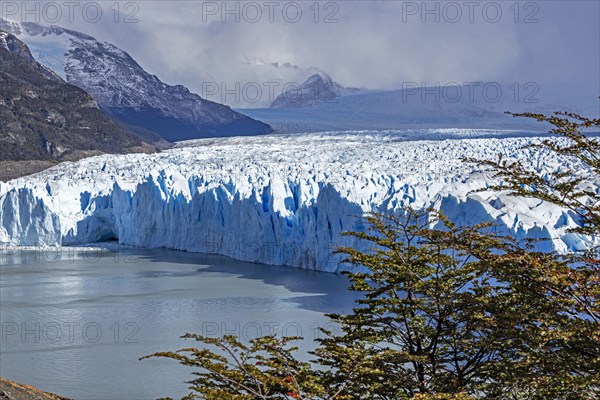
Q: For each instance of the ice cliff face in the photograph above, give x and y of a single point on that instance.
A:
(275, 199)
(25, 220)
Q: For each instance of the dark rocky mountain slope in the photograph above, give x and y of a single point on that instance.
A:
(127, 91)
(44, 118)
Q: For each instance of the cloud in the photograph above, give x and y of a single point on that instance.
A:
(369, 44)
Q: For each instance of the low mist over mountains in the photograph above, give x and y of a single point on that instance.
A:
(129, 93)
(322, 105)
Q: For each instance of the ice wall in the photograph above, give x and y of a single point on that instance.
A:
(284, 203)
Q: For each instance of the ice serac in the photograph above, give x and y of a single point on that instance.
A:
(26, 221)
(282, 199)
(128, 92)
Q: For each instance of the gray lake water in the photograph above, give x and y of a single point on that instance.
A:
(76, 323)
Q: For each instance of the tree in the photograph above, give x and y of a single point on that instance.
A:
(568, 186)
(564, 358)
(264, 369)
(447, 312)
(425, 322)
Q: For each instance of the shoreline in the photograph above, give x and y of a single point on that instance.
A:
(10, 390)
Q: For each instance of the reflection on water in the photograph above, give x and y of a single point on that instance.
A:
(76, 323)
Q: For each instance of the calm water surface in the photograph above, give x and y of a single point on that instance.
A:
(76, 323)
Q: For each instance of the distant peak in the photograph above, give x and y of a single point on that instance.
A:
(319, 77)
(10, 26)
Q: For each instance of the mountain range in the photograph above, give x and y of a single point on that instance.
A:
(135, 98)
(479, 105)
(44, 118)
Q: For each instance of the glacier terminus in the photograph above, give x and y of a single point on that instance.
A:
(279, 199)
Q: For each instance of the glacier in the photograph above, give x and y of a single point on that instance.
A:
(279, 199)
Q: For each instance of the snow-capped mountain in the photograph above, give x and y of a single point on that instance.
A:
(43, 118)
(396, 109)
(275, 71)
(123, 88)
(279, 199)
(272, 78)
(318, 88)
(473, 105)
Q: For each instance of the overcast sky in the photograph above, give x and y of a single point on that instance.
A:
(369, 44)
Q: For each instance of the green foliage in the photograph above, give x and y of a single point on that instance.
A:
(429, 317)
(447, 312)
(563, 357)
(264, 369)
(566, 186)
(459, 311)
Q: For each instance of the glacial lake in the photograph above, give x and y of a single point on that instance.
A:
(76, 322)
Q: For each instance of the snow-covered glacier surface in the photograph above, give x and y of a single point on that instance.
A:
(280, 199)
